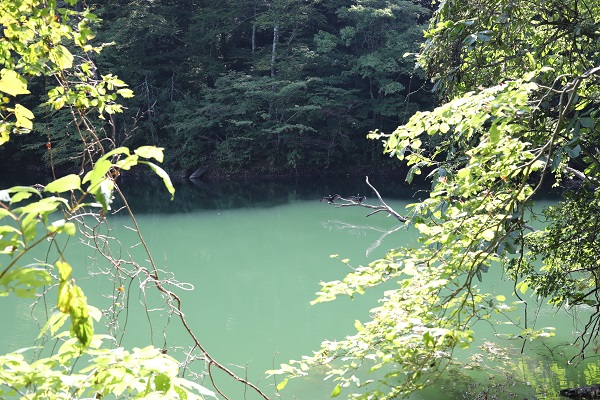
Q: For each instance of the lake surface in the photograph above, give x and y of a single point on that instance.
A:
(254, 254)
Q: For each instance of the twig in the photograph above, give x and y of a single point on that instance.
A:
(354, 201)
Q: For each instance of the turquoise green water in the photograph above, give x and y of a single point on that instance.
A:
(254, 255)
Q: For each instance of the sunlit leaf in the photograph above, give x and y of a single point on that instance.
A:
(282, 384)
(198, 388)
(162, 382)
(118, 150)
(150, 152)
(359, 327)
(165, 177)
(24, 117)
(126, 93)
(54, 323)
(181, 393)
(20, 196)
(336, 391)
(61, 56)
(96, 175)
(64, 184)
(103, 193)
(12, 83)
(24, 281)
(62, 226)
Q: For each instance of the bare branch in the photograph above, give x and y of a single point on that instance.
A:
(386, 207)
(358, 201)
(581, 175)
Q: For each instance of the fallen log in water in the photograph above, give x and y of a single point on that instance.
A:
(583, 392)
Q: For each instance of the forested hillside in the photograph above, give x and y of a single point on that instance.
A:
(253, 86)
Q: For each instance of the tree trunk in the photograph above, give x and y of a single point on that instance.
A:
(253, 42)
(274, 51)
(254, 37)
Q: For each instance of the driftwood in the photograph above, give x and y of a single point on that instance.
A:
(359, 201)
(199, 173)
(583, 392)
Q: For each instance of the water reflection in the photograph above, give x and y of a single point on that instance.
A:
(255, 251)
(150, 196)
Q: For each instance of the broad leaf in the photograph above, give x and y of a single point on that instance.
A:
(150, 152)
(24, 117)
(61, 56)
(165, 177)
(12, 83)
(64, 184)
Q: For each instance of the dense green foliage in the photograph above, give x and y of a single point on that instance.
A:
(285, 85)
(519, 112)
(259, 87)
(42, 40)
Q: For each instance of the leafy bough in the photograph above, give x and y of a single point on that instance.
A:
(481, 163)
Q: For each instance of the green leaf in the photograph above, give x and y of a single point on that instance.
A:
(128, 162)
(428, 340)
(494, 134)
(522, 286)
(43, 206)
(488, 234)
(24, 117)
(165, 177)
(181, 393)
(29, 189)
(5, 213)
(83, 330)
(95, 313)
(54, 323)
(29, 225)
(12, 83)
(162, 382)
(282, 384)
(199, 388)
(586, 122)
(118, 150)
(64, 184)
(97, 174)
(62, 226)
(24, 281)
(336, 391)
(150, 152)
(359, 327)
(126, 93)
(61, 56)
(103, 193)
(64, 270)
(573, 152)
(20, 196)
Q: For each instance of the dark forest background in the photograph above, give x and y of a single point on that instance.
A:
(252, 87)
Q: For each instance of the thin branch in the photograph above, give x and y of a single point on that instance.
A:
(386, 207)
(358, 201)
(581, 175)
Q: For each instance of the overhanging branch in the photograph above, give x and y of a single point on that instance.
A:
(358, 201)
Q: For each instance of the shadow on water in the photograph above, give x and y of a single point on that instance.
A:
(150, 195)
(257, 288)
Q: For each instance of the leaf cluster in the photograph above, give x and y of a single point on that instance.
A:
(36, 41)
(518, 114)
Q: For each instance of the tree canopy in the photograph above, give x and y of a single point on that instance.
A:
(50, 42)
(254, 87)
(518, 113)
(517, 84)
